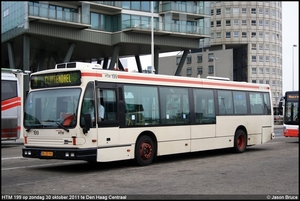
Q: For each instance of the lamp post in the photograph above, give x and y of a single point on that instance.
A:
(293, 68)
(152, 37)
(215, 58)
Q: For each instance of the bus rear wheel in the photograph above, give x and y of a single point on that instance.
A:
(240, 141)
(144, 151)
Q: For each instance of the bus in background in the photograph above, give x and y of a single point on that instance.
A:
(145, 115)
(291, 110)
(10, 104)
(278, 112)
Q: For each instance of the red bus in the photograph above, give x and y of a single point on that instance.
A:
(291, 118)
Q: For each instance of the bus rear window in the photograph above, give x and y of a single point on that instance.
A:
(8, 89)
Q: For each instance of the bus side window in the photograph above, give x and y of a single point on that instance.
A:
(258, 109)
(222, 108)
(267, 105)
(204, 106)
(88, 104)
(107, 99)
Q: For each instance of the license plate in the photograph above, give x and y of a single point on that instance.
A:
(46, 153)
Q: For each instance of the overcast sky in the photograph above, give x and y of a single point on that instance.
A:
(290, 35)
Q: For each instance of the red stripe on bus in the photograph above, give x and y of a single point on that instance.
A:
(172, 80)
(204, 82)
(91, 74)
(18, 128)
(6, 107)
(10, 132)
(9, 135)
(10, 100)
(158, 79)
(291, 133)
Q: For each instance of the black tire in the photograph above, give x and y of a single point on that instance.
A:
(240, 141)
(144, 151)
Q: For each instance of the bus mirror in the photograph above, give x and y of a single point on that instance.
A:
(280, 104)
(88, 122)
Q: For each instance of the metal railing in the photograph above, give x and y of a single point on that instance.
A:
(74, 17)
(163, 26)
(54, 14)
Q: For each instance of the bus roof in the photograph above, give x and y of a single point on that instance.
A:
(95, 71)
(81, 65)
(10, 70)
(8, 76)
(218, 78)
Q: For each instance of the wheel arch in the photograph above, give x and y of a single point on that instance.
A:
(243, 128)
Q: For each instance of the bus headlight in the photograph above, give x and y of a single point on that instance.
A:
(69, 154)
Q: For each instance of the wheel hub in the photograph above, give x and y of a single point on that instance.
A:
(145, 150)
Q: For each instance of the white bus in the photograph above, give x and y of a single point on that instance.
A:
(10, 105)
(146, 115)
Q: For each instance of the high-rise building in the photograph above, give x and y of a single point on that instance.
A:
(245, 45)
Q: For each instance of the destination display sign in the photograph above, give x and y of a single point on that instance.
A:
(59, 79)
(292, 97)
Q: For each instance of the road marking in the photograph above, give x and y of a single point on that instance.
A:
(32, 166)
(11, 158)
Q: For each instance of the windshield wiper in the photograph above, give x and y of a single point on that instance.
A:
(59, 124)
(29, 118)
(35, 126)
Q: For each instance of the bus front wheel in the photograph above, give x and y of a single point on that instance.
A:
(240, 141)
(144, 151)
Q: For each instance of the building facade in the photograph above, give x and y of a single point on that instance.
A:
(200, 64)
(36, 35)
(252, 31)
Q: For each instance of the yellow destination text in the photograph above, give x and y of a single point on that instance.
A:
(57, 79)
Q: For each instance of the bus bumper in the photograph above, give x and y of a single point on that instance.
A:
(65, 154)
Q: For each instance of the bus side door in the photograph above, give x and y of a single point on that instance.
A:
(107, 114)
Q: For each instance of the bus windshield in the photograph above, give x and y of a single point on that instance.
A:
(56, 108)
(291, 113)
